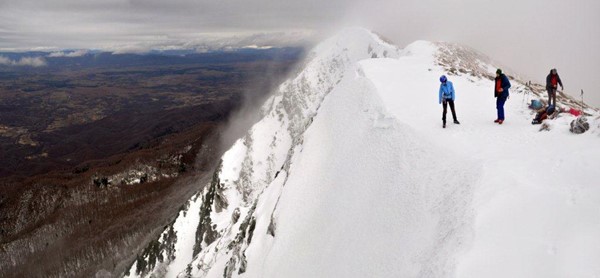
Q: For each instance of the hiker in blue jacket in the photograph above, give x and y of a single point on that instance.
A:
(447, 96)
(501, 93)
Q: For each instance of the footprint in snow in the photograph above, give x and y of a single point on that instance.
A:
(382, 121)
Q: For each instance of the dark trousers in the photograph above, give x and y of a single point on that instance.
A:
(551, 96)
(445, 105)
(500, 106)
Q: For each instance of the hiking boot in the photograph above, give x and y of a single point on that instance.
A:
(497, 120)
(456, 122)
(500, 121)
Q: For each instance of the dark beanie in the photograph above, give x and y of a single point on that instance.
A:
(499, 71)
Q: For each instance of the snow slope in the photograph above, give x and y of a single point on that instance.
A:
(537, 202)
(349, 174)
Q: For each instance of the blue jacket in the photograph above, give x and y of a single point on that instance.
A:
(505, 84)
(447, 91)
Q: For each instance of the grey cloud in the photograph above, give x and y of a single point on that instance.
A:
(210, 42)
(24, 61)
(113, 21)
(76, 53)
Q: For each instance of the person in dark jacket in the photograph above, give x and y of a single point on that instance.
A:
(501, 86)
(447, 96)
(552, 82)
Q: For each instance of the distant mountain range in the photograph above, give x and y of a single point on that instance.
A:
(96, 58)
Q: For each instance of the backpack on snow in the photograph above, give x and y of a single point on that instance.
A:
(535, 104)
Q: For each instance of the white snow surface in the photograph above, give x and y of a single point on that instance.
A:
(351, 168)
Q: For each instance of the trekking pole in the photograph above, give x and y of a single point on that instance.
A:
(529, 92)
(582, 102)
(526, 91)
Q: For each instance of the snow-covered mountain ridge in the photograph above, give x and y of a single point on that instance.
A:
(349, 174)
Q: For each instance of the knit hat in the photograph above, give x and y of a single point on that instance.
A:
(499, 71)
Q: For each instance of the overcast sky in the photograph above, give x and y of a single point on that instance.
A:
(528, 36)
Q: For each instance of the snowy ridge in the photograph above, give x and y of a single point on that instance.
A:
(457, 59)
(349, 174)
(254, 161)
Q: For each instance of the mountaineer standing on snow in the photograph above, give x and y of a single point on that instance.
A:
(501, 93)
(552, 82)
(446, 97)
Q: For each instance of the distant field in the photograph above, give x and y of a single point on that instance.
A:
(98, 153)
(98, 105)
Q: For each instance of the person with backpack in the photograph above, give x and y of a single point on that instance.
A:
(447, 96)
(543, 114)
(552, 82)
(501, 86)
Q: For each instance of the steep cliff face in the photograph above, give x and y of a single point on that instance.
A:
(261, 159)
(349, 174)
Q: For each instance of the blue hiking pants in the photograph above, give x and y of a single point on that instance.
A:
(500, 106)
